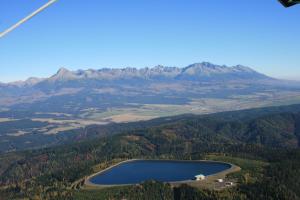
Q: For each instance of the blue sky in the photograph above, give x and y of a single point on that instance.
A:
(81, 34)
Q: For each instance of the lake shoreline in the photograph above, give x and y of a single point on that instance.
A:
(221, 174)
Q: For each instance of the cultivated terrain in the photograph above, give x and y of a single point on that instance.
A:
(41, 112)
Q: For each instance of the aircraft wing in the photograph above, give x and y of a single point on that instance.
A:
(288, 3)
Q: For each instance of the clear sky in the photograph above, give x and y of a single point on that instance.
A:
(81, 34)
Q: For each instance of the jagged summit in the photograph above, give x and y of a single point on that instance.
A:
(194, 72)
(62, 71)
(63, 74)
(209, 68)
(207, 71)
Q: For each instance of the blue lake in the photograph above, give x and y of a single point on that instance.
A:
(137, 171)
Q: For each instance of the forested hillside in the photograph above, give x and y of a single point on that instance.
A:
(43, 112)
(272, 138)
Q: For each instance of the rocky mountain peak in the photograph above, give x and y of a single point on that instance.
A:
(62, 71)
(194, 72)
(63, 74)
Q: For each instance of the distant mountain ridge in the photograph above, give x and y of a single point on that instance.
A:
(34, 109)
(75, 91)
(204, 71)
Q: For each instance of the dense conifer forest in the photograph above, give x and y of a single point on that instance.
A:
(263, 142)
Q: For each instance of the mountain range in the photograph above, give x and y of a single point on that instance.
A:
(108, 88)
(160, 85)
(132, 81)
(44, 111)
(204, 71)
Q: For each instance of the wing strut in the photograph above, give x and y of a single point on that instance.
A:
(2, 34)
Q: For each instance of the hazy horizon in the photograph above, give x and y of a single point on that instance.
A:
(121, 67)
(259, 34)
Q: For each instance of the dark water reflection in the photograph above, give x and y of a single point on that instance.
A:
(138, 171)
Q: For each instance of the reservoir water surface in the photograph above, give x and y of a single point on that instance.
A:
(137, 171)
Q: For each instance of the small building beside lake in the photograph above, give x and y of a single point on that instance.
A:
(199, 177)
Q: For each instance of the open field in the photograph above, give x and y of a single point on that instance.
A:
(23, 127)
(60, 122)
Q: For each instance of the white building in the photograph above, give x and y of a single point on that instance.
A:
(229, 183)
(199, 177)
